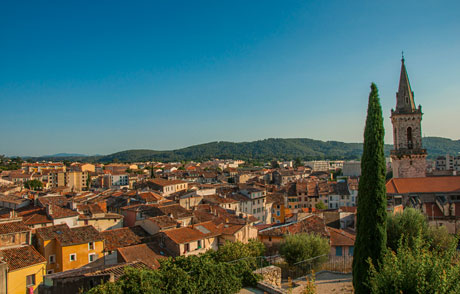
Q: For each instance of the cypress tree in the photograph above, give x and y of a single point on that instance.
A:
(372, 202)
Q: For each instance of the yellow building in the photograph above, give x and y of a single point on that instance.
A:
(68, 248)
(278, 207)
(75, 180)
(25, 269)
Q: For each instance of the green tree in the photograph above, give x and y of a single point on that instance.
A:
(297, 162)
(411, 225)
(300, 247)
(33, 185)
(415, 268)
(371, 234)
(211, 272)
(320, 205)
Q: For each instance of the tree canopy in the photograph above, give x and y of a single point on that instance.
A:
(226, 270)
(371, 234)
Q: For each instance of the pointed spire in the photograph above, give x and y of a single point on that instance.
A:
(405, 97)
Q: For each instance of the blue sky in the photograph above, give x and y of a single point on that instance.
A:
(104, 76)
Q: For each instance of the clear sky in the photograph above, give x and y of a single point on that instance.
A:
(96, 77)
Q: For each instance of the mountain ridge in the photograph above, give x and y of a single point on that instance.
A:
(262, 150)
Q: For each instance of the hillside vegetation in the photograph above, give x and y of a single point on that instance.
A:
(264, 150)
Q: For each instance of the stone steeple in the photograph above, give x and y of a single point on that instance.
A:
(404, 97)
(408, 156)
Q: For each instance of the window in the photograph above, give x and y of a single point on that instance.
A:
(91, 246)
(73, 257)
(49, 272)
(198, 244)
(92, 257)
(409, 137)
(350, 250)
(186, 247)
(338, 250)
(278, 213)
(30, 280)
(52, 258)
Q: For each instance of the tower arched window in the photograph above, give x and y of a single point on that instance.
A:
(409, 138)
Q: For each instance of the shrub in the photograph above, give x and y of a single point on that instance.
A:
(414, 268)
(300, 247)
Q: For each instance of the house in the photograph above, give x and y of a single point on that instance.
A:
(32, 216)
(97, 216)
(253, 201)
(68, 248)
(141, 252)
(25, 269)
(437, 197)
(191, 240)
(62, 215)
(274, 235)
(278, 207)
(237, 233)
(342, 242)
(339, 195)
(154, 225)
(118, 238)
(80, 280)
(13, 202)
(14, 232)
(149, 197)
(136, 213)
(224, 202)
(167, 187)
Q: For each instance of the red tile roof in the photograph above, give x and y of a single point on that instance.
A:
(341, 237)
(311, 224)
(140, 252)
(61, 212)
(164, 221)
(423, 185)
(194, 233)
(20, 257)
(123, 237)
(69, 236)
(150, 197)
(164, 183)
(13, 227)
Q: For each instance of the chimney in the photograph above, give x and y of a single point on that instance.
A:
(49, 210)
(13, 214)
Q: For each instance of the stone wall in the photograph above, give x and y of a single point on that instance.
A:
(412, 166)
(271, 275)
(401, 123)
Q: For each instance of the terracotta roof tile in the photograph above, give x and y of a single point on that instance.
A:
(311, 224)
(164, 221)
(19, 257)
(69, 236)
(194, 233)
(341, 237)
(423, 185)
(140, 252)
(123, 237)
(13, 227)
(150, 197)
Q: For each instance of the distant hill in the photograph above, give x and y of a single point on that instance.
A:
(65, 155)
(264, 150)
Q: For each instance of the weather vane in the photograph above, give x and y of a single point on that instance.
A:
(402, 54)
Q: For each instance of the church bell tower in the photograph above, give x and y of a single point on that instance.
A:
(408, 156)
